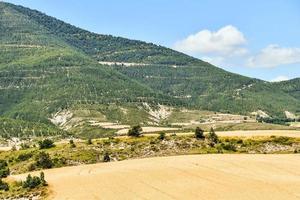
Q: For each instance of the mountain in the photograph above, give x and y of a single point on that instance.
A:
(291, 87)
(48, 66)
(41, 74)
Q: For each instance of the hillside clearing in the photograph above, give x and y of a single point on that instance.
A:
(181, 177)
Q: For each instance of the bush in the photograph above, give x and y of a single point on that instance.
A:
(212, 137)
(35, 181)
(25, 146)
(162, 136)
(89, 141)
(72, 144)
(229, 147)
(43, 160)
(31, 167)
(3, 185)
(135, 131)
(4, 170)
(46, 144)
(199, 133)
(24, 156)
(106, 157)
(43, 181)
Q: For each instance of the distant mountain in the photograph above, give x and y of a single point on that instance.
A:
(291, 87)
(47, 66)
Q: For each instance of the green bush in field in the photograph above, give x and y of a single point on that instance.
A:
(34, 181)
(72, 144)
(4, 170)
(24, 156)
(212, 137)
(43, 160)
(199, 133)
(46, 144)
(135, 131)
(162, 136)
(229, 146)
(89, 141)
(3, 185)
(106, 157)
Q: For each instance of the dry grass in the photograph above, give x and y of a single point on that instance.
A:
(222, 177)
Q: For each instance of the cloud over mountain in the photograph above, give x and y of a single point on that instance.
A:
(225, 41)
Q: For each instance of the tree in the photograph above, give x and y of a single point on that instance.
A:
(212, 137)
(199, 133)
(4, 170)
(3, 185)
(106, 157)
(42, 177)
(135, 131)
(43, 160)
(46, 144)
(89, 141)
(32, 182)
(72, 144)
(162, 136)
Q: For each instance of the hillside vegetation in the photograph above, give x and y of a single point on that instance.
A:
(47, 66)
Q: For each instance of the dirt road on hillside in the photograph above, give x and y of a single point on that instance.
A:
(222, 177)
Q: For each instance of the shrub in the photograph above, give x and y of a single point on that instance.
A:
(46, 144)
(25, 146)
(106, 157)
(89, 141)
(24, 156)
(31, 167)
(212, 137)
(3, 185)
(72, 144)
(162, 136)
(31, 182)
(42, 177)
(43, 160)
(199, 133)
(4, 170)
(229, 146)
(35, 181)
(135, 131)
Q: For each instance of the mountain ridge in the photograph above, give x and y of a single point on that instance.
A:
(47, 66)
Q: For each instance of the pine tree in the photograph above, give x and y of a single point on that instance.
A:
(213, 137)
(199, 133)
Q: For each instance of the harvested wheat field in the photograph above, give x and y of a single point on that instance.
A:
(253, 133)
(181, 177)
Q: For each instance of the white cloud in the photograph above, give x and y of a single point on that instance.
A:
(274, 55)
(227, 41)
(280, 78)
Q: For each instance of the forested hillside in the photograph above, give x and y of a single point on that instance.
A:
(47, 66)
(41, 74)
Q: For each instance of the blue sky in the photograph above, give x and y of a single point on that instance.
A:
(255, 38)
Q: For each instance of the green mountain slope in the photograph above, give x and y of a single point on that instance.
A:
(206, 86)
(214, 89)
(106, 47)
(291, 87)
(41, 74)
(47, 66)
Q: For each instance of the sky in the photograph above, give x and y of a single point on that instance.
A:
(254, 38)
